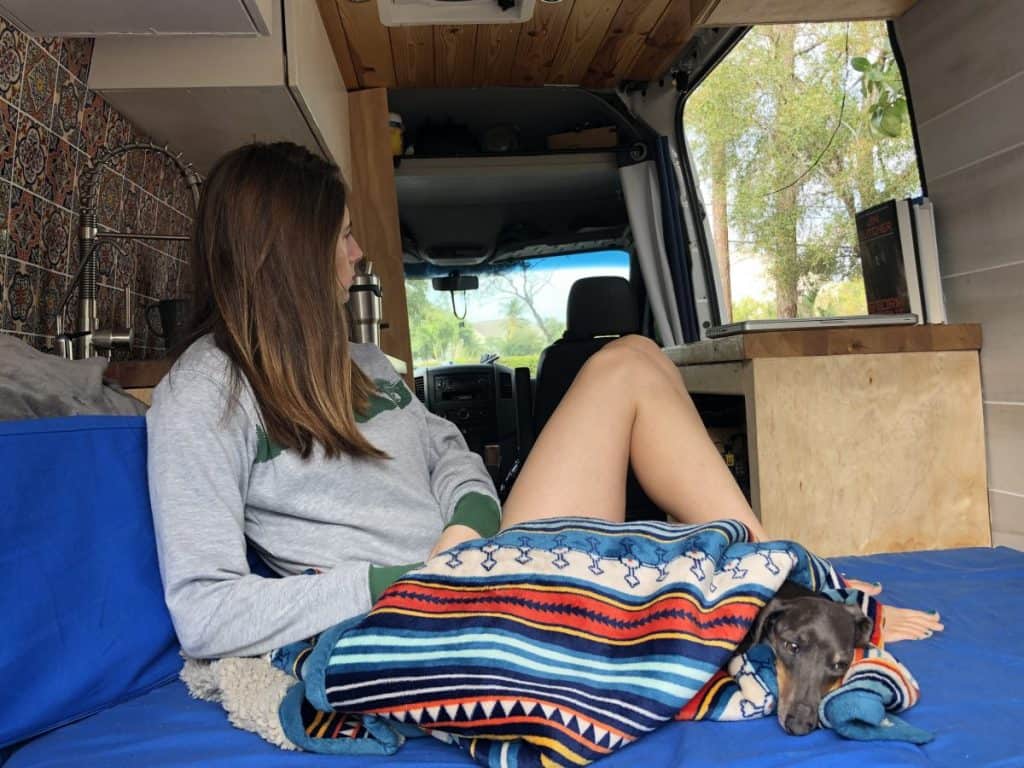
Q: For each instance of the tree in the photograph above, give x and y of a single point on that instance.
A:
(807, 144)
(436, 335)
(523, 283)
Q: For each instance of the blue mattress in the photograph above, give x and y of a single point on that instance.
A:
(971, 678)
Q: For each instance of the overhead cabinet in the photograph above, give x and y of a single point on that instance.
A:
(93, 18)
(206, 95)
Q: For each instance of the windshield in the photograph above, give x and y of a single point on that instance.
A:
(516, 312)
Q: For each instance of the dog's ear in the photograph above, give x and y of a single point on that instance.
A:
(766, 619)
(862, 626)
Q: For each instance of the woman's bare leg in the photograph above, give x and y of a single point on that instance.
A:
(626, 405)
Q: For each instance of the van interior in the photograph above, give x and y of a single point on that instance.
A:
(813, 207)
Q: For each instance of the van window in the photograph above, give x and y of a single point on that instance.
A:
(517, 311)
(798, 128)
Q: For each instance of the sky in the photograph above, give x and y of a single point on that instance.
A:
(564, 270)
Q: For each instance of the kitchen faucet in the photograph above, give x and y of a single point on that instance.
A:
(89, 338)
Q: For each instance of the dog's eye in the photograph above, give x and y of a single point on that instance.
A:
(838, 668)
(791, 646)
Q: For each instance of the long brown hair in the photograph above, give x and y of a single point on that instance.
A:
(265, 285)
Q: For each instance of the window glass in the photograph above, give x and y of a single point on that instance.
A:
(517, 311)
(797, 129)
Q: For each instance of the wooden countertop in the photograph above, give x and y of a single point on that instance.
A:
(132, 374)
(829, 341)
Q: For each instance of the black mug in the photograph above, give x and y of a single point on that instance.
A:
(173, 319)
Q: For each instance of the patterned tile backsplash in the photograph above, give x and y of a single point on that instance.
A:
(50, 124)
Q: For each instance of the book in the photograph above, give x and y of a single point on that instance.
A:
(885, 240)
(928, 260)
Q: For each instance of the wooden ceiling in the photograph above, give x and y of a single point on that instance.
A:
(593, 43)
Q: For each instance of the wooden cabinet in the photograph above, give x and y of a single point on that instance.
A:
(731, 13)
(374, 208)
(206, 95)
(90, 18)
(859, 440)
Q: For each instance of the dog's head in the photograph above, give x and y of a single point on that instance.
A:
(813, 639)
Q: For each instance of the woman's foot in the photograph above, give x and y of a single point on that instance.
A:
(908, 624)
(900, 623)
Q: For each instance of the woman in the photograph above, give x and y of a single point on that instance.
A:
(272, 430)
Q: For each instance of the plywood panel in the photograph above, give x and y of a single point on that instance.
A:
(872, 453)
(729, 13)
(634, 20)
(663, 45)
(339, 43)
(374, 208)
(993, 298)
(583, 34)
(539, 41)
(495, 53)
(454, 54)
(369, 45)
(412, 49)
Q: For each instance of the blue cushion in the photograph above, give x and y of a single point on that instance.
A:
(84, 620)
(971, 677)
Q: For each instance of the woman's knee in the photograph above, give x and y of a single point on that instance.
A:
(624, 362)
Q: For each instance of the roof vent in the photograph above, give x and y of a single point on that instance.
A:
(399, 13)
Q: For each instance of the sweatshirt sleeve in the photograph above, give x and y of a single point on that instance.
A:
(459, 479)
(199, 463)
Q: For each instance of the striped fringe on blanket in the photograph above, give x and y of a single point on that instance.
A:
(560, 641)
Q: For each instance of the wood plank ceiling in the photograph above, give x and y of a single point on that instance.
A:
(595, 43)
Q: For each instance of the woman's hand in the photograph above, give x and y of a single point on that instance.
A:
(452, 536)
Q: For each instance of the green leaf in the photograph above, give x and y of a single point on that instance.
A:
(860, 63)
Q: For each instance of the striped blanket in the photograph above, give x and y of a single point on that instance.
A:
(560, 641)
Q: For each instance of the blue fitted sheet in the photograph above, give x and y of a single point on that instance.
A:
(971, 678)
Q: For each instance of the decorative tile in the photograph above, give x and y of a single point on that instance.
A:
(33, 295)
(5, 210)
(51, 45)
(12, 61)
(94, 123)
(108, 200)
(148, 208)
(105, 257)
(31, 148)
(124, 266)
(170, 181)
(55, 238)
(142, 286)
(130, 208)
(61, 171)
(136, 159)
(76, 55)
(119, 133)
(38, 84)
(8, 139)
(67, 114)
(153, 173)
(26, 225)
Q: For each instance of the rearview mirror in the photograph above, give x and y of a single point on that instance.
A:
(456, 282)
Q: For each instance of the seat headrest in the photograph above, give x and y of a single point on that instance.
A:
(600, 306)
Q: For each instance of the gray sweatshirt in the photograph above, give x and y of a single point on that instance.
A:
(216, 482)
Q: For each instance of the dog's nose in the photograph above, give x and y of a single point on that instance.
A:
(801, 720)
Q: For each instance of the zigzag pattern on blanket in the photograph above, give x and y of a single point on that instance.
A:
(563, 640)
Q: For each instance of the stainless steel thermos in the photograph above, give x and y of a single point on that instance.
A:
(365, 304)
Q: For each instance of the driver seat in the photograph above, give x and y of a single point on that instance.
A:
(600, 310)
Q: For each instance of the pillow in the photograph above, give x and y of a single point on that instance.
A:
(84, 619)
